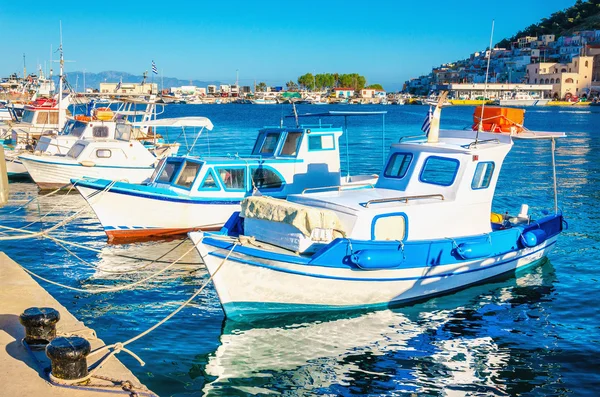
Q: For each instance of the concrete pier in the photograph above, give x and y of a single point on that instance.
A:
(20, 374)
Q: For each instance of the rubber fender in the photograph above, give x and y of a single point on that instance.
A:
(370, 259)
(533, 237)
(474, 250)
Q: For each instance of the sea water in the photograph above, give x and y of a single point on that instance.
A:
(536, 334)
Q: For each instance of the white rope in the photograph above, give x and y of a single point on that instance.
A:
(137, 269)
(112, 289)
(29, 234)
(120, 346)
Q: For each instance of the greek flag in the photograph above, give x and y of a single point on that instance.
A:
(427, 122)
(154, 69)
(118, 86)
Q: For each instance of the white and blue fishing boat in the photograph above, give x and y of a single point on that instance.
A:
(200, 193)
(426, 228)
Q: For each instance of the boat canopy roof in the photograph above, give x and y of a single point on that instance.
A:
(179, 122)
(334, 113)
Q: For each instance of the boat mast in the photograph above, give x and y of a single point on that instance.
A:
(487, 73)
(61, 113)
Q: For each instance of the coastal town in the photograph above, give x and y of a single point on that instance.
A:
(544, 70)
(566, 68)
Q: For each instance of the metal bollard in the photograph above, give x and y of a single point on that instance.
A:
(68, 358)
(40, 325)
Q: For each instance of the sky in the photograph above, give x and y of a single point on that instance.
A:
(388, 42)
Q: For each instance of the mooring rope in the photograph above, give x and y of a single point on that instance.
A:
(26, 234)
(137, 269)
(109, 289)
(120, 346)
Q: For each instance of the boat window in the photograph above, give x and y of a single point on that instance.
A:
(75, 151)
(439, 171)
(398, 165)
(389, 227)
(123, 132)
(321, 142)
(265, 178)
(483, 175)
(169, 171)
(75, 128)
(210, 181)
(103, 153)
(233, 178)
(100, 132)
(157, 168)
(270, 143)
(47, 118)
(28, 116)
(188, 174)
(290, 146)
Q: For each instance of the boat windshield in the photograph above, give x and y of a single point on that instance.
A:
(74, 128)
(266, 144)
(187, 175)
(76, 150)
(28, 116)
(169, 171)
(123, 132)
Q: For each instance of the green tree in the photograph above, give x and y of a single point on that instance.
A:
(375, 86)
(307, 81)
(261, 87)
(291, 86)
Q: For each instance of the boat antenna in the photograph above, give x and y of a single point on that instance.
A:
(487, 74)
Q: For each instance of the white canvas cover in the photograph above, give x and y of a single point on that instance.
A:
(305, 219)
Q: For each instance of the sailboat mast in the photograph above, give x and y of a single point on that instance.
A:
(61, 113)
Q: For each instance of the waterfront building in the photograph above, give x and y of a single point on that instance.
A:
(372, 93)
(494, 90)
(128, 88)
(343, 92)
(572, 79)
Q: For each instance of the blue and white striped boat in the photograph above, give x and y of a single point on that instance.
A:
(424, 229)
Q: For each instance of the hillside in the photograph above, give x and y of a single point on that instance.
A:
(584, 15)
(93, 80)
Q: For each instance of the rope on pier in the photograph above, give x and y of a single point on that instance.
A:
(110, 289)
(26, 234)
(137, 269)
(120, 346)
(27, 202)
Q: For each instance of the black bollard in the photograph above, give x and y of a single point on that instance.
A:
(40, 325)
(68, 357)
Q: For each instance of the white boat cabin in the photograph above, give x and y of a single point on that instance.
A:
(283, 161)
(425, 191)
(103, 123)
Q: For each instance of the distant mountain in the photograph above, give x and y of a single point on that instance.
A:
(93, 80)
(584, 15)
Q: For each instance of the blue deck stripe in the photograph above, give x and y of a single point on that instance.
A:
(299, 273)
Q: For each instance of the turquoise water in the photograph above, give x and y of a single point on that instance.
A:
(537, 334)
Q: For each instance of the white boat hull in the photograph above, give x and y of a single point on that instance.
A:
(134, 216)
(249, 285)
(523, 102)
(53, 175)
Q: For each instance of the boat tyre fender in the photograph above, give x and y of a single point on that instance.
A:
(533, 238)
(474, 250)
(370, 259)
(87, 163)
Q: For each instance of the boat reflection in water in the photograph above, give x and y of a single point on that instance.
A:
(435, 348)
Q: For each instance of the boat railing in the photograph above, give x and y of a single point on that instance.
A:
(406, 199)
(411, 137)
(339, 188)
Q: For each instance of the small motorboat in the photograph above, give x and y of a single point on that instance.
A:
(426, 228)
